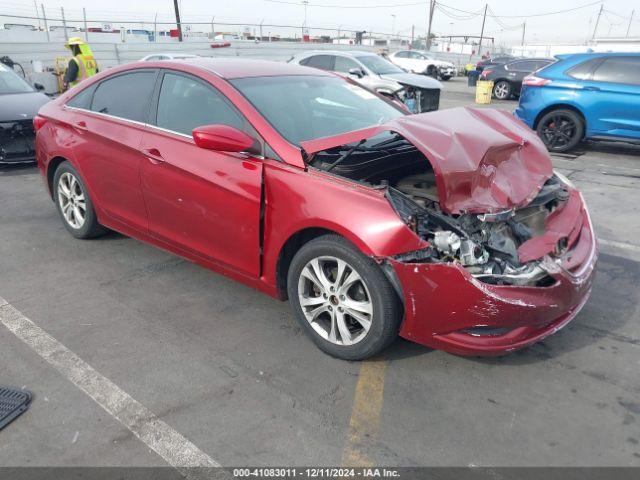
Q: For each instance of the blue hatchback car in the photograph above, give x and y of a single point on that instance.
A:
(586, 95)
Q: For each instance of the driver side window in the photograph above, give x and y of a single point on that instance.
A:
(185, 103)
(343, 64)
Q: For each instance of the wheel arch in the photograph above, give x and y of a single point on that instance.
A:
(52, 166)
(560, 106)
(299, 238)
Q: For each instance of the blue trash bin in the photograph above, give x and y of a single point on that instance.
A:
(472, 79)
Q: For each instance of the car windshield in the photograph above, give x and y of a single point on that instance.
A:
(308, 107)
(10, 82)
(379, 65)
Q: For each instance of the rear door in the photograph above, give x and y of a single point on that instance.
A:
(614, 91)
(107, 145)
(205, 202)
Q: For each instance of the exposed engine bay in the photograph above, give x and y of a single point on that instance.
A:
(485, 244)
(419, 100)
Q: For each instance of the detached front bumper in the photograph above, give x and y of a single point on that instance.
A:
(448, 309)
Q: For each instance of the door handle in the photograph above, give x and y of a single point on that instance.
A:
(154, 155)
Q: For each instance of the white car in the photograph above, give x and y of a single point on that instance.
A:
(167, 56)
(417, 61)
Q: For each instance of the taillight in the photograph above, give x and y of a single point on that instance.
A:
(38, 122)
(485, 73)
(533, 81)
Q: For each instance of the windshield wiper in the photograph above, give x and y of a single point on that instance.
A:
(345, 155)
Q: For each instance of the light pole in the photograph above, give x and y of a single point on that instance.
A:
(393, 24)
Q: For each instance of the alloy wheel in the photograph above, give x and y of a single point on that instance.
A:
(72, 200)
(501, 91)
(335, 300)
(558, 131)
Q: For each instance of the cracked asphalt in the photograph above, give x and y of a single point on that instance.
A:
(229, 369)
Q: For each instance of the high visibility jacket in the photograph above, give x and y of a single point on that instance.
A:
(87, 67)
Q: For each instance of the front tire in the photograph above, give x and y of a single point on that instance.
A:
(74, 203)
(342, 299)
(445, 78)
(560, 130)
(502, 90)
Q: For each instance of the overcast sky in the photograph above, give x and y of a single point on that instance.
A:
(575, 26)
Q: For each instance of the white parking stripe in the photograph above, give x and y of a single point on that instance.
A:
(623, 245)
(175, 449)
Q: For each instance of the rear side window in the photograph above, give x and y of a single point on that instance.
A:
(344, 64)
(125, 96)
(583, 70)
(524, 66)
(402, 54)
(323, 62)
(186, 103)
(83, 99)
(619, 70)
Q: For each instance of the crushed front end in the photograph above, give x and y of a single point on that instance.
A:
(509, 248)
(493, 283)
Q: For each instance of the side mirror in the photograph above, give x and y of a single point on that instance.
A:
(39, 87)
(357, 72)
(222, 138)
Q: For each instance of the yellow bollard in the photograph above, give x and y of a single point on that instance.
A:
(484, 89)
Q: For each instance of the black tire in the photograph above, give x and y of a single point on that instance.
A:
(90, 228)
(560, 130)
(445, 78)
(502, 90)
(386, 309)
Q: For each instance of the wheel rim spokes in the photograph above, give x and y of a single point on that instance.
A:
(335, 300)
(72, 200)
(558, 131)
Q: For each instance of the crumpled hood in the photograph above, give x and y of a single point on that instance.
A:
(484, 160)
(413, 80)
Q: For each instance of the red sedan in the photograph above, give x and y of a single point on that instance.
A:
(447, 228)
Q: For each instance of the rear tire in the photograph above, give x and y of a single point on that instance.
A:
(502, 90)
(560, 130)
(74, 203)
(342, 299)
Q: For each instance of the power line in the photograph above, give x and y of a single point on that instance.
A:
(318, 5)
(533, 14)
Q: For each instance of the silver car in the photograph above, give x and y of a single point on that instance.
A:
(417, 92)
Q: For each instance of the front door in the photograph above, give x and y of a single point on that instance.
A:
(614, 92)
(203, 201)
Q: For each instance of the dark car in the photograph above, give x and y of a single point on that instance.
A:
(507, 78)
(489, 62)
(19, 103)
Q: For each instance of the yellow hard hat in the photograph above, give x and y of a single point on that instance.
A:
(74, 41)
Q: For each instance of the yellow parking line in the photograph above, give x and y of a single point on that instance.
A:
(365, 415)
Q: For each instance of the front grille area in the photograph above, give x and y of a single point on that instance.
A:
(17, 141)
(429, 99)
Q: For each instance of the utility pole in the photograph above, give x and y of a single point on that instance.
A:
(177, 9)
(597, 22)
(86, 29)
(413, 27)
(630, 20)
(64, 25)
(484, 18)
(432, 7)
(524, 28)
(37, 14)
(44, 19)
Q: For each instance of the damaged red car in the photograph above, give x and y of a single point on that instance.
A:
(447, 228)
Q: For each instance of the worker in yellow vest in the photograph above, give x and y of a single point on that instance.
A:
(82, 65)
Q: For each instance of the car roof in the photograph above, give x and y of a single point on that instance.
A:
(587, 55)
(350, 53)
(230, 68)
